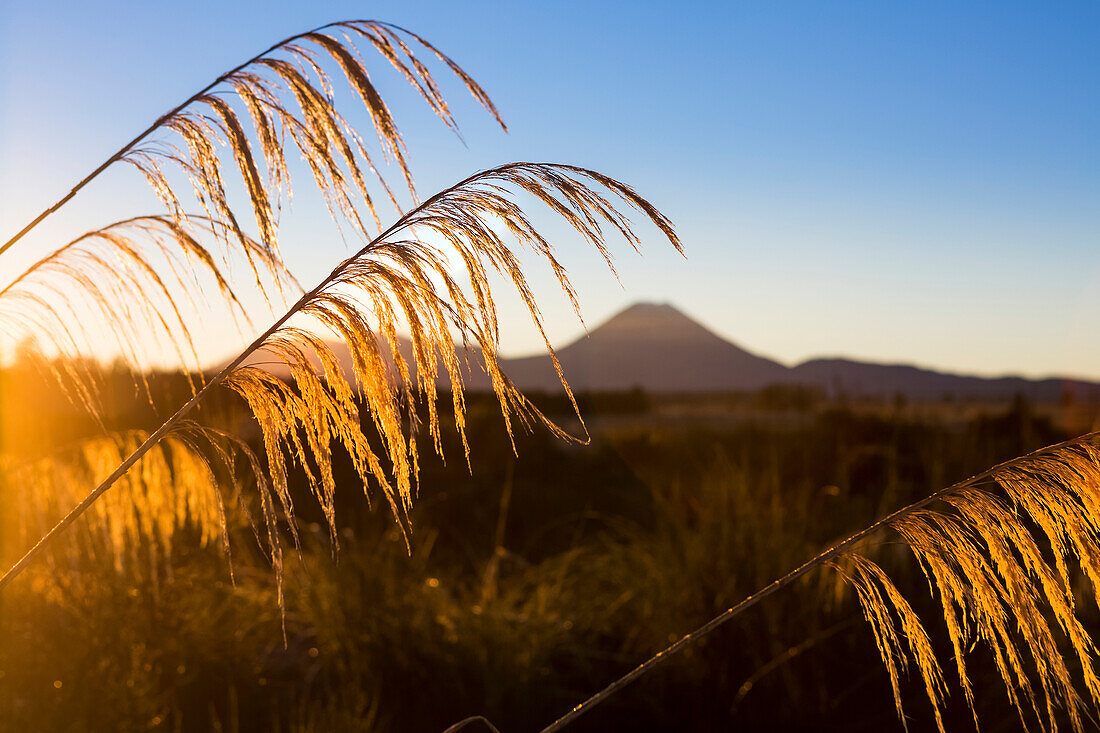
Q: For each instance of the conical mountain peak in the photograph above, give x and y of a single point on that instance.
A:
(654, 346)
(652, 321)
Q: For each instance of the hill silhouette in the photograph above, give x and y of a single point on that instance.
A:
(658, 348)
(652, 346)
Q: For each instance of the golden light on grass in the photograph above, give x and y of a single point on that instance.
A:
(1000, 551)
(398, 278)
(288, 94)
(1000, 555)
(133, 275)
(138, 282)
(173, 486)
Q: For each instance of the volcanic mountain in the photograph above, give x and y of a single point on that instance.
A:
(652, 346)
(660, 349)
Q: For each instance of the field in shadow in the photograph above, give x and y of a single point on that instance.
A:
(530, 580)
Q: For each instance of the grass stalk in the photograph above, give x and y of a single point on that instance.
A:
(818, 561)
(118, 154)
(220, 377)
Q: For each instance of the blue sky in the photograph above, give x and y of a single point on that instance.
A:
(896, 182)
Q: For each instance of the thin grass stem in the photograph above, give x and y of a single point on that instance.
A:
(220, 377)
(814, 563)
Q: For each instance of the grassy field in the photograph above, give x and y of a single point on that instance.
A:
(530, 581)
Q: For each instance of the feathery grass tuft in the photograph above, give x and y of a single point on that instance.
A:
(1003, 555)
(135, 281)
(404, 279)
(287, 93)
(1007, 554)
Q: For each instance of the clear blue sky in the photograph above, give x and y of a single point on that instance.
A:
(914, 182)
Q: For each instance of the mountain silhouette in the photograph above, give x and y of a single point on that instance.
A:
(855, 378)
(652, 346)
(658, 348)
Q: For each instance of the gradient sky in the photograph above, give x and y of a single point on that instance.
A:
(910, 182)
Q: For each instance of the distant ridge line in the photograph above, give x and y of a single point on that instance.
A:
(660, 349)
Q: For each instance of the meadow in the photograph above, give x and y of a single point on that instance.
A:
(533, 578)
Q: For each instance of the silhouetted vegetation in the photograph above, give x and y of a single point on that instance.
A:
(531, 581)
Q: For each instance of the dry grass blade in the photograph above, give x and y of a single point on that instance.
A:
(1004, 553)
(404, 279)
(881, 602)
(287, 93)
(140, 279)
